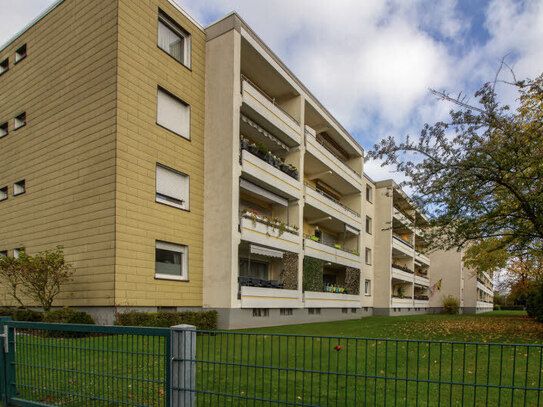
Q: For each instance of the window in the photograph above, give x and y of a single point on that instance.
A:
(261, 312)
(3, 253)
(20, 54)
(171, 261)
(173, 39)
(369, 194)
(314, 311)
(285, 311)
(367, 287)
(4, 66)
(19, 188)
(254, 269)
(368, 225)
(17, 252)
(3, 193)
(19, 121)
(344, 310)
(3, 129)
(368, 256)
(173, 114)
(172, 187)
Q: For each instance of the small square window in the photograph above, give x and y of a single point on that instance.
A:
(369, 194)
(3, 129)
(17, 252)
(261, 312)
(20, 54)
(3, 253)
(344, 310)
(367, 287)
(172, 187)
(171, 261)
(4, 66)
(3, 193)
(173, 39)
(19, 121)
(19, 188)
(368, 225)
(368, 256)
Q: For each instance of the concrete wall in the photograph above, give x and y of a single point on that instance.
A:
(66, 152)
(382, 246)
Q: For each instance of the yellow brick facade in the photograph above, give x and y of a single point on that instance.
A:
(66, 151)
(90, 147)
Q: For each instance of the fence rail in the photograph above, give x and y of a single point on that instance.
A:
(55, 364)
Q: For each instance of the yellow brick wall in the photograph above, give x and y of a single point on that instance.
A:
(66, 152)
(141, 144)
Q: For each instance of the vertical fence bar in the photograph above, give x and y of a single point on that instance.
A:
(183, 365)
(4, 368)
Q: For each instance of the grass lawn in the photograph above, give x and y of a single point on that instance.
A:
(253, 367)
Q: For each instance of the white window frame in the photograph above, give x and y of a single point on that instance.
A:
(368, 251)
(367, 288)
(17, 252)
(369, 225)
(19, 187)
(171, 25)
(174, 247)
(171, 200)
(19, 121)
(19, 56)
(164, 96)
(4, 193)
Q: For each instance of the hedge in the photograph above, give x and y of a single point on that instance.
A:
(202, 320)
(60, 315)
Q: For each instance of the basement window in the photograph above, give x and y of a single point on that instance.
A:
(4, 66)
(20, 54)
(285, 311)
(314, 311)
(19, 187)
(3, 193)
(261, 312)
(3, 129)
(19, 121)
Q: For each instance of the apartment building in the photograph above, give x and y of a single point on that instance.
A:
(102, 130)
(474, 291)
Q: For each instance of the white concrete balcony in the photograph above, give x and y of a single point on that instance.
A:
(402, 218)
(402, 302)
(422, 258)
(321, 201)
(264, 174)
(485, 305)
(255, 230)
(268, 111)
(425, 281)
(317, 150)
(403, 246)
(259, 297)
(324, 252)
(402, 275)
(330, 300)
(484, 288)
(422, 303)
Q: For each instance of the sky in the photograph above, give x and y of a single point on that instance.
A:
(372, 62)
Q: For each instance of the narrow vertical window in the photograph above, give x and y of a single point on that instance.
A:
(368, 256)
(20, 54)
(368, 225)
(19, 121)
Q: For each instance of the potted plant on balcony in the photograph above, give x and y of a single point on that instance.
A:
(243, 143)
(261, 151)
(293, 171)
(314, 238)
(337, 246)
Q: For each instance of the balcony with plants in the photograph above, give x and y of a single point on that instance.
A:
(421, 274)
(401, 294)
(402, 268)
(421, 296)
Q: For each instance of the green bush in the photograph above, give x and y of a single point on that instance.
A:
(6, 311)
(497, 307)
(68, 316)
(23, 314)
(511, 307)
(451, 305)
(534, 302)
(203, 320)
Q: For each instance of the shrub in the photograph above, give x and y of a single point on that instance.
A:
(23, 314)
(534, 302)
(203, 320)
(7, 311)
(497, 307)
(511, 307)
(451, 305)
(68, 316)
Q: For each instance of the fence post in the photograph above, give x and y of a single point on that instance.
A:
(183, 365)
(4, 361)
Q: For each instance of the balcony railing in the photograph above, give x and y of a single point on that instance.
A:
(334, 245)
(422, 297)
(402, 240)
(268, 97)
(403, 268)
(258, 282)
(404, 214)
(269, 158)
(403, 297)
(337, 156)
(330, 197)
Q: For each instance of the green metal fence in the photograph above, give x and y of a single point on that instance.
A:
(264, 370)
(81, 365)
(61, 364)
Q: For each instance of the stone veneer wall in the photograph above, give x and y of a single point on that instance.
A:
(289, 274)
(352, 281)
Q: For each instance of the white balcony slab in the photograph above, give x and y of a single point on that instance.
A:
(326, 253)
(327, 158)
(487, 305)
(402, 302)
(422, 280)
(422, 258)
(402, 275)
(271, 113)
(259, 297)
(265, 235)
(403, 247)
(422, 303)
(402, 218)
(326, 205)
(261, 172)
(330, 300)
(484, 288)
